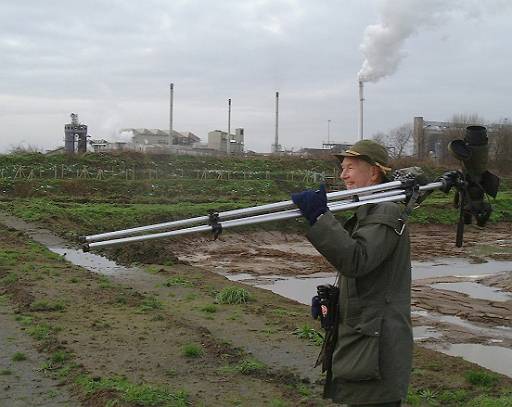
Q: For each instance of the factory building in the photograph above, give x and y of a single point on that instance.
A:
(218, 139)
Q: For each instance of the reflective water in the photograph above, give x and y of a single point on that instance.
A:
(475, 290)
(494, 358)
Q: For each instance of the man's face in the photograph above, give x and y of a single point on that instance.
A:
(357, 173)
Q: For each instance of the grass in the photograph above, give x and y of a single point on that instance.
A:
(192, 350)
(10, 278)
(137, 394)
(178, 281)
(233, 295)
(18, 357)
(246, 367)
(5, 372)
(44, 305)
(481, 378)
(150, 304)
(40, 332)
(310, 334)
(210, 308)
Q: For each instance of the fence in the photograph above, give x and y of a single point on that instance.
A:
(85, 172)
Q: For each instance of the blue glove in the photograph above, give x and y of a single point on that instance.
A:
(311, 203)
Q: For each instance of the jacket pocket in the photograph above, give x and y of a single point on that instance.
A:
(357, 351)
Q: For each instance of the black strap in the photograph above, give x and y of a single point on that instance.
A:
(213, 221)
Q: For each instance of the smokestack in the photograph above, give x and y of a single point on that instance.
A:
(361, 100)
(228, 140)
(276, 139)
(170, 114)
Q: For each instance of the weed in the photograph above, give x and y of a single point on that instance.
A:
(171, 372)
(59, 357)
(210, 308)
(138, 394)
(428, 395)
(121, 299)
(304, 390)
(74, 280)
(249, 366)
(413, 398)
(191, 297)
(43, 305)
(311, 334)
(40, 332)
(149, 304)
(280, 312)
(481, 378)
(278, 403)
(192, 350)
(455, 396)
(24, 319)
(10, 278)
(488, 401)
(18, 357)
(233, 295)
(174, 281)
(3, 299)
(5, 372)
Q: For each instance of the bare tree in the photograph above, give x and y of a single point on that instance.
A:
(398, 141)
(501, 146)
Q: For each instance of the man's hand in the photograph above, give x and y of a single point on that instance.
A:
(311, 203)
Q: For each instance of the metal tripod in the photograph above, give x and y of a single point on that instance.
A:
(399, 190)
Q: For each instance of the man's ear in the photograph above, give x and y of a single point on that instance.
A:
(376, 174)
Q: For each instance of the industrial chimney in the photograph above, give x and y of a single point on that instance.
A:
(361, 100)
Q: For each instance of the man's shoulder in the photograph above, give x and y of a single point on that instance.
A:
(387, 208)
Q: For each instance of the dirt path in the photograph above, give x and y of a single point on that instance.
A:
(23, 382)
(132, 329)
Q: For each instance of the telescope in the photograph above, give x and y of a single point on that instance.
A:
(408, 186)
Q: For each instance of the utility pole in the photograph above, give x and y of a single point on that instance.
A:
(171, 106)
(329, 131)
(228, 139)
(276, 140)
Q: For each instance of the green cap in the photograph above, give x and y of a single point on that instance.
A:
(370, 151)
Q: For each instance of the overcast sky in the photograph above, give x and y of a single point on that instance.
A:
(112, 61)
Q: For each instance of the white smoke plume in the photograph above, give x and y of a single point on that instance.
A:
(399, 19)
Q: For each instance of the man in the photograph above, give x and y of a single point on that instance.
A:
(370, 360)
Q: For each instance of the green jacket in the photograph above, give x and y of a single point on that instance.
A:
(372, 357)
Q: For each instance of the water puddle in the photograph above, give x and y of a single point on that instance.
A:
(420, 333)
(475, 290)
(494, 333)
(454, 267)
(495, 358)
(92, 262)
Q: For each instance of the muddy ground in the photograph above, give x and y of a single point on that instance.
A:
(156, 334)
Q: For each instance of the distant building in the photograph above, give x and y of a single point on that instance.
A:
(158, 137)
(99, 146)
(218, 139)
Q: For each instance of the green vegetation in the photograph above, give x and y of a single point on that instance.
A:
(44, 305)
(149, 304)
(192, 350)
(245, 366)
(311, 334)
(233, 295)
(5, 372)
(139, 394)
(18, 357)
(481, 378)
(174, 281)
(210, 308)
